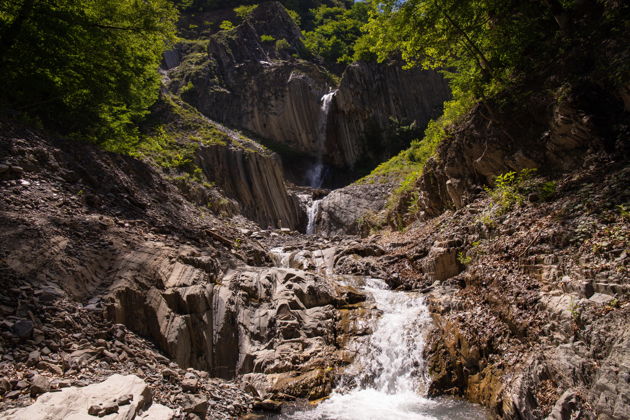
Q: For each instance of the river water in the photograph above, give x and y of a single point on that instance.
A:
(387, 379)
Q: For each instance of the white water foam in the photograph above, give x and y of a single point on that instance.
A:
(387, 379)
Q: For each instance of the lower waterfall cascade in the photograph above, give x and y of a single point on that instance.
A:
(387, 379)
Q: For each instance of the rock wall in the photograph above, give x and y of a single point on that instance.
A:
(254, 86)
(276, 94)
(341, 212)
(554, 136)
(373, 98)
(256, 181)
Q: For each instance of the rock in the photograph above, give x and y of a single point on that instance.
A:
(75, 402)
(601, 298)
(33, 357)
(190, 384)
(195, 404)
(158, 412)
(345, 211)
(23, 328)
(5, 386)
(39, 385)
(103, 409)
(269, 405)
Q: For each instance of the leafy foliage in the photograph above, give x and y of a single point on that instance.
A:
(488, 45)
(243, 11)
(226, 25)
(509, 189)
(336, 29)
(267, 38)
(83, 67)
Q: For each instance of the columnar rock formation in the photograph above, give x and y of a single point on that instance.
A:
(374, 98)
(248, 83)
(255, 179)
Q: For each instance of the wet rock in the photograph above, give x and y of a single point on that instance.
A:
(269, 405)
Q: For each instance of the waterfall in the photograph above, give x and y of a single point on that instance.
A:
(315, 174)
(312, 212)
(387, 378)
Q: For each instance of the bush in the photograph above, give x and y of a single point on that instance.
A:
(282, 44)
(267, 38)
(243, 11)
(226, 25)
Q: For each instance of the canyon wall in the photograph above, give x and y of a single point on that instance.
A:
(245, 81)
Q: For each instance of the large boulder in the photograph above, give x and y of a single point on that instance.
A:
(118, 398)
(345, 210)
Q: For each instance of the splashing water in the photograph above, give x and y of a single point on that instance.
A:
(312, 212)
(388, 374)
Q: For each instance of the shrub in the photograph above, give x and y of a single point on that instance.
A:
(226, 25)
(243, 11)
(282, 44)
(267, 38)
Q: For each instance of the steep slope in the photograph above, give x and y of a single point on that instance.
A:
(197, 152)
(527, 279)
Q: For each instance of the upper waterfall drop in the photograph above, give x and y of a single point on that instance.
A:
(315, 174)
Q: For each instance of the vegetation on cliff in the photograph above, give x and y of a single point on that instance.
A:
(495, 54)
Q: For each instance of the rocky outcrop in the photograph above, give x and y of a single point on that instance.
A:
(119, 398)
(373, 101)
(255, 179)
(219, 168)
(554, 136)
(343, 211)
(530, 313)
(250, 84)
(274, 92)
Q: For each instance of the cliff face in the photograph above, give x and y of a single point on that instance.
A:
(374, 98)
(248, 82)
(255, 86)
(553, 136)
(256, 181)
(248, 174)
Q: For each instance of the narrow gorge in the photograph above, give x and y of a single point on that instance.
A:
(326, 210)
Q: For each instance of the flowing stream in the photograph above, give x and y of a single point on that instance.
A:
(387, 379)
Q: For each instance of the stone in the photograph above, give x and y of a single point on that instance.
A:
(190, 384)
(196, 404)
(269, 405)
(103, 409)
(158, 412)
(75, 402)
(5, 386)
(601, 298)
(23, 328)
(33, 357)
(39, 385)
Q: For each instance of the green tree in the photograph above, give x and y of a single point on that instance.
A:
(83, 66)
(335, 32)
(484, 42)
